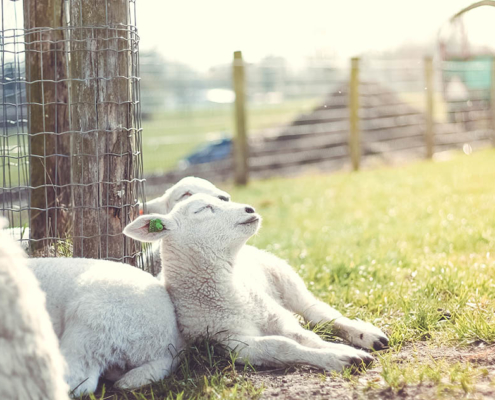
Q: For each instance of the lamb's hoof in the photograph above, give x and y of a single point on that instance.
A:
(365, 335)
(355, 360)
(361, 361)
(381, 343)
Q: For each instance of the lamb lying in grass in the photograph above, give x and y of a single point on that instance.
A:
(31, 366)
(276, 276)
(218, 290)
(111, 319)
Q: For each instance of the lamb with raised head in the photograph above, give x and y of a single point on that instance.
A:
(182, 190)
(278, 277)
(31, 365)
(216, 291)
(111, 319)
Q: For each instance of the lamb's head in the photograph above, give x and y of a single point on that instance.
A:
(182, 190)
(200, 223)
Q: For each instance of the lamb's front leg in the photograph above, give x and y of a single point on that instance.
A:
(298, 299)
(357, 332)
(278, 351)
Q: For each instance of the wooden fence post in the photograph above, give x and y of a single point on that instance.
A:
(241, 150)
(492, 100)
(429, 90)
(103, 148)
(47, 97)
(354, 133)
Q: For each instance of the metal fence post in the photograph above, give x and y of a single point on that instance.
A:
(354, 132)
(429, 90)
(241, 150)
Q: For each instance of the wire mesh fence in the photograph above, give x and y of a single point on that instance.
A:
(71, 157)
(298, 117)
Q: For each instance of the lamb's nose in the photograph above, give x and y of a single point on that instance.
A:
(249, 210)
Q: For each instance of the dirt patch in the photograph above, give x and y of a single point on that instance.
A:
(308, 383)
(301, 383)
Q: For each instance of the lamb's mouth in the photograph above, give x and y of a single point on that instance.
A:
(249, 221)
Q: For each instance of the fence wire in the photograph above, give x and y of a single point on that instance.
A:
(298, 117)
(71, 144)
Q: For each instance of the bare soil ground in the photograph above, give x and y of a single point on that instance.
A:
(308, 383)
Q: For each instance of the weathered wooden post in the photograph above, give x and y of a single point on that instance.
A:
(354, 132)
(492, 100)
(429, 92)
(104, 132)
(241, 149)
(47, 98)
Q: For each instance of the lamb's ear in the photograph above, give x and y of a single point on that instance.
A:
(150, 227)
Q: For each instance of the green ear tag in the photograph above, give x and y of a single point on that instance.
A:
(155, 226)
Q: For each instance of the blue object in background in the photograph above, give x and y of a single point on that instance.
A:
(213, 151)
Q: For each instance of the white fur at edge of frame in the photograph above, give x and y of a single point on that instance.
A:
(278, 278)
(31, 366)
(216, 291)
(111, 319)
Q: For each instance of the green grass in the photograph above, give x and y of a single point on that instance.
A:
(169, 136)
(398, 246)
(205, 373)
(410, 249)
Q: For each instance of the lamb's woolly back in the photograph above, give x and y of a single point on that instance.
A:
(182, 190)
(32, 366)
(109, 317)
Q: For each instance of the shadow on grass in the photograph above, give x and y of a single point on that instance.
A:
(207, 371)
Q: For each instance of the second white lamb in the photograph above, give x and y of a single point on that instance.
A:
(111, 319)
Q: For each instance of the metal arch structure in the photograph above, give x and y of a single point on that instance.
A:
(472, 7)
(457, 17)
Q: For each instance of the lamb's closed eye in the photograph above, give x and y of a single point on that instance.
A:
(184, 195)
(204, 208)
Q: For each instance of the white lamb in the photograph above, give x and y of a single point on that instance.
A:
(286, 287)
(216, 290)
(31, 366)
(112, 319)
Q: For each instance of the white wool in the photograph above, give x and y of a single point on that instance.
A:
(31, 365)
(111, 319)
(272, 274)
(245, 297)
(19, 234)
(182, 190)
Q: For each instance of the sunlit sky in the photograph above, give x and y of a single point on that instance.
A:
(206, 32)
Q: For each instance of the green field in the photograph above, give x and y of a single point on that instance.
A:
(171, 135)
(411, 249)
